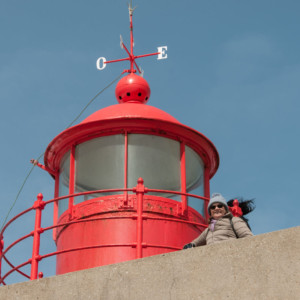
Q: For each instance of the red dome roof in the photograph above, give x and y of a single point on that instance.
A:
(130, 110)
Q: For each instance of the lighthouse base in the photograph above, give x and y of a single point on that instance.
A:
(107, 233)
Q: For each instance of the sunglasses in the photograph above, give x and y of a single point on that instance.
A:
(217, 206)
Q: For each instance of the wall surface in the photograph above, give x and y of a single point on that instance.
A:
(262, 267)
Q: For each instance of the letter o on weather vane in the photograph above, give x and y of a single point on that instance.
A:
(101, 63)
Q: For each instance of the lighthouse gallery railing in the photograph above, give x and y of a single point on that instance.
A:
(38, 207)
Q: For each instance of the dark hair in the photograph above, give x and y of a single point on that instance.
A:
(247, 206)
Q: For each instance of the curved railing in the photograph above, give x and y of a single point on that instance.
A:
(38, 207)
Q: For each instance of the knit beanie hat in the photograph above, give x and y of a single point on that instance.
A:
(217, 198)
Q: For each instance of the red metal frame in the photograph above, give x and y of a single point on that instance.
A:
(125, 167)
(71, 180)
(55, 207)
(140, 190)
(184, 202)
(39, 205)
(1, 252)
(131, 57)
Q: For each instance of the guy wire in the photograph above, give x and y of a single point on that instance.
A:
(30, 171)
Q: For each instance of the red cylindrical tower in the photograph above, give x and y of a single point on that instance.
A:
(112, 149)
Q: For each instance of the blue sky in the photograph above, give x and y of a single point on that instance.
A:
(232, 73)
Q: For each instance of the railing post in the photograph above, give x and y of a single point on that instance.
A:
(71, 181)
(38, 205)
(1, 251)
(184, 201)
(140, 190)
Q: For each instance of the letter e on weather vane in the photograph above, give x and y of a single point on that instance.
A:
(162, 52)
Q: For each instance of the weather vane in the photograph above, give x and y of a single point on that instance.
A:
(161, 54)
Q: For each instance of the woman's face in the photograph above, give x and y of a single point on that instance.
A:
(217, 210)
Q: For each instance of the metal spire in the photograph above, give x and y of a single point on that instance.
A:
(101, 61)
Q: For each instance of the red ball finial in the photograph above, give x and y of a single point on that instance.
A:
(132, 88)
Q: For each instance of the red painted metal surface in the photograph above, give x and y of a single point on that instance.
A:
(72, 181)
(132, 88)
(55, 208)
(154, 225)
(183, 177)
(125, 202)
(130, 111)
(1, 252)
(140, 190)
(38, 206)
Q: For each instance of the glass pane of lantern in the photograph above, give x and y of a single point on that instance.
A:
(64, 183)
(157, 160)
(99, 165)
(194, 178)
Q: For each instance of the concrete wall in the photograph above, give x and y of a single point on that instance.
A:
(263, 267)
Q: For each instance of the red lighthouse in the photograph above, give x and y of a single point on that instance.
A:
(112, 149)
(130, 180)
(133, 166)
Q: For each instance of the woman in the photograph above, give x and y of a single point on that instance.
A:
(223, 226)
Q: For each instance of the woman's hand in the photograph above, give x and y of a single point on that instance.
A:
(189, 245)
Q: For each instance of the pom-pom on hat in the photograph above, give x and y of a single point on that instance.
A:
(217, 198)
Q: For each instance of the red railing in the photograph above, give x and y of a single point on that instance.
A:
(38, 207)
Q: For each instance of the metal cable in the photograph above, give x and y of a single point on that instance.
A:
(94, 99)
(30, 171)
